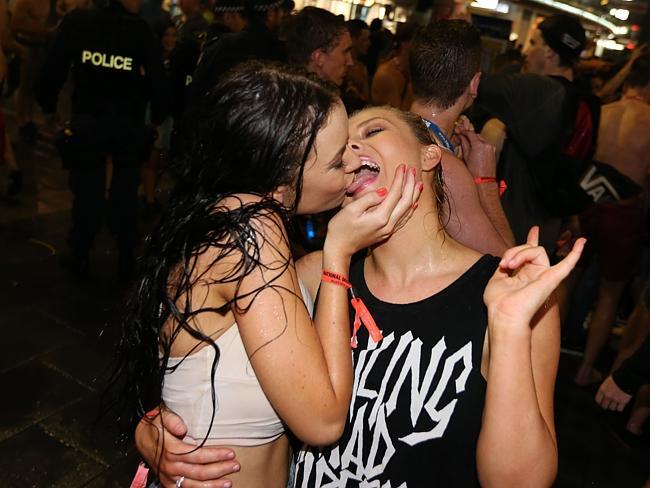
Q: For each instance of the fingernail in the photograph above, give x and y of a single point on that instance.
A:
(236, 467)
(382, 191)
(402, 168)
(227, 484)
(412, 170)
(420, 186)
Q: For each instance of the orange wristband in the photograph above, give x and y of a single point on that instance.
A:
(479, 180)
(335, 278)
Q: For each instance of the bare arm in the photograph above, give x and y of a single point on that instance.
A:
(468, 222)
(481, 159)
(287, 352)
(615, 82)
(517, 444)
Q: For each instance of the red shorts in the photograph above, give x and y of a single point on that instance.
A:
(614, 233)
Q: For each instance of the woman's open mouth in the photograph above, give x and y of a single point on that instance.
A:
(365, 176)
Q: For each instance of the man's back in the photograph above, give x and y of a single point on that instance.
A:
(623, 140)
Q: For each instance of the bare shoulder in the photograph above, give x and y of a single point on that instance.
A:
(456, 175)
(309, 269)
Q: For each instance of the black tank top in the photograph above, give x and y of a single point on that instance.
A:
(418, 395)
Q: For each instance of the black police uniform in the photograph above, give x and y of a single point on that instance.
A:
(222, 53)
(183, 59)
(117, 70)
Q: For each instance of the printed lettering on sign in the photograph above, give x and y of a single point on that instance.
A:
(103, 60)
(407, 373)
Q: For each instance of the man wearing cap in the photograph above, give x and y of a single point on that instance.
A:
(538, 111)
(183, 59)
(258, 40)
(117, 71)
(228, 17)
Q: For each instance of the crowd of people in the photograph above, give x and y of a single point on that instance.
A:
(472, 224)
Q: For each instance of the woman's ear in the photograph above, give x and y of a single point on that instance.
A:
(431, 156)
(284, 194)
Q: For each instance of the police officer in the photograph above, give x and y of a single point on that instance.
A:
(117, 71)
(182, 63)
(258, 40)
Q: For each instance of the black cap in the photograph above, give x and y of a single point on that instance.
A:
(228, 6)
(262, 5)
(565, 35)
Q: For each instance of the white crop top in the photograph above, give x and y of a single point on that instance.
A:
(242, 414)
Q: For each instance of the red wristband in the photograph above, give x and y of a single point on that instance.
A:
(491, 179)
(335, 278)
(362, 315)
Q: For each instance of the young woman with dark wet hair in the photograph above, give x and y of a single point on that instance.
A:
(217, 329)
(459, 390)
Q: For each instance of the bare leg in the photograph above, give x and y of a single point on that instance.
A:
(634, 333)
(640, 411)
(599, 330)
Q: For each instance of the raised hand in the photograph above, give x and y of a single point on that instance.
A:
(524, 281)
(374, 216)
(479, 154)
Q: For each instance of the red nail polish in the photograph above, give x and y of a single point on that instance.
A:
(420, 186)
(382, 191)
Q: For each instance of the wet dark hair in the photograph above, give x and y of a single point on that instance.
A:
(311, 29)
(444, 57)
(254, 133)
(639, 76)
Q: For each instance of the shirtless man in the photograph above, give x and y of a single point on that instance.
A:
(391, 84)
(615, 229)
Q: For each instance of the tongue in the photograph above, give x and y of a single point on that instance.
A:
(362, 179)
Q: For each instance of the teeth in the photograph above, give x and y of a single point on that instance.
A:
(371, 165)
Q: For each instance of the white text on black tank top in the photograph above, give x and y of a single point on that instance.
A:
(348, 461)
